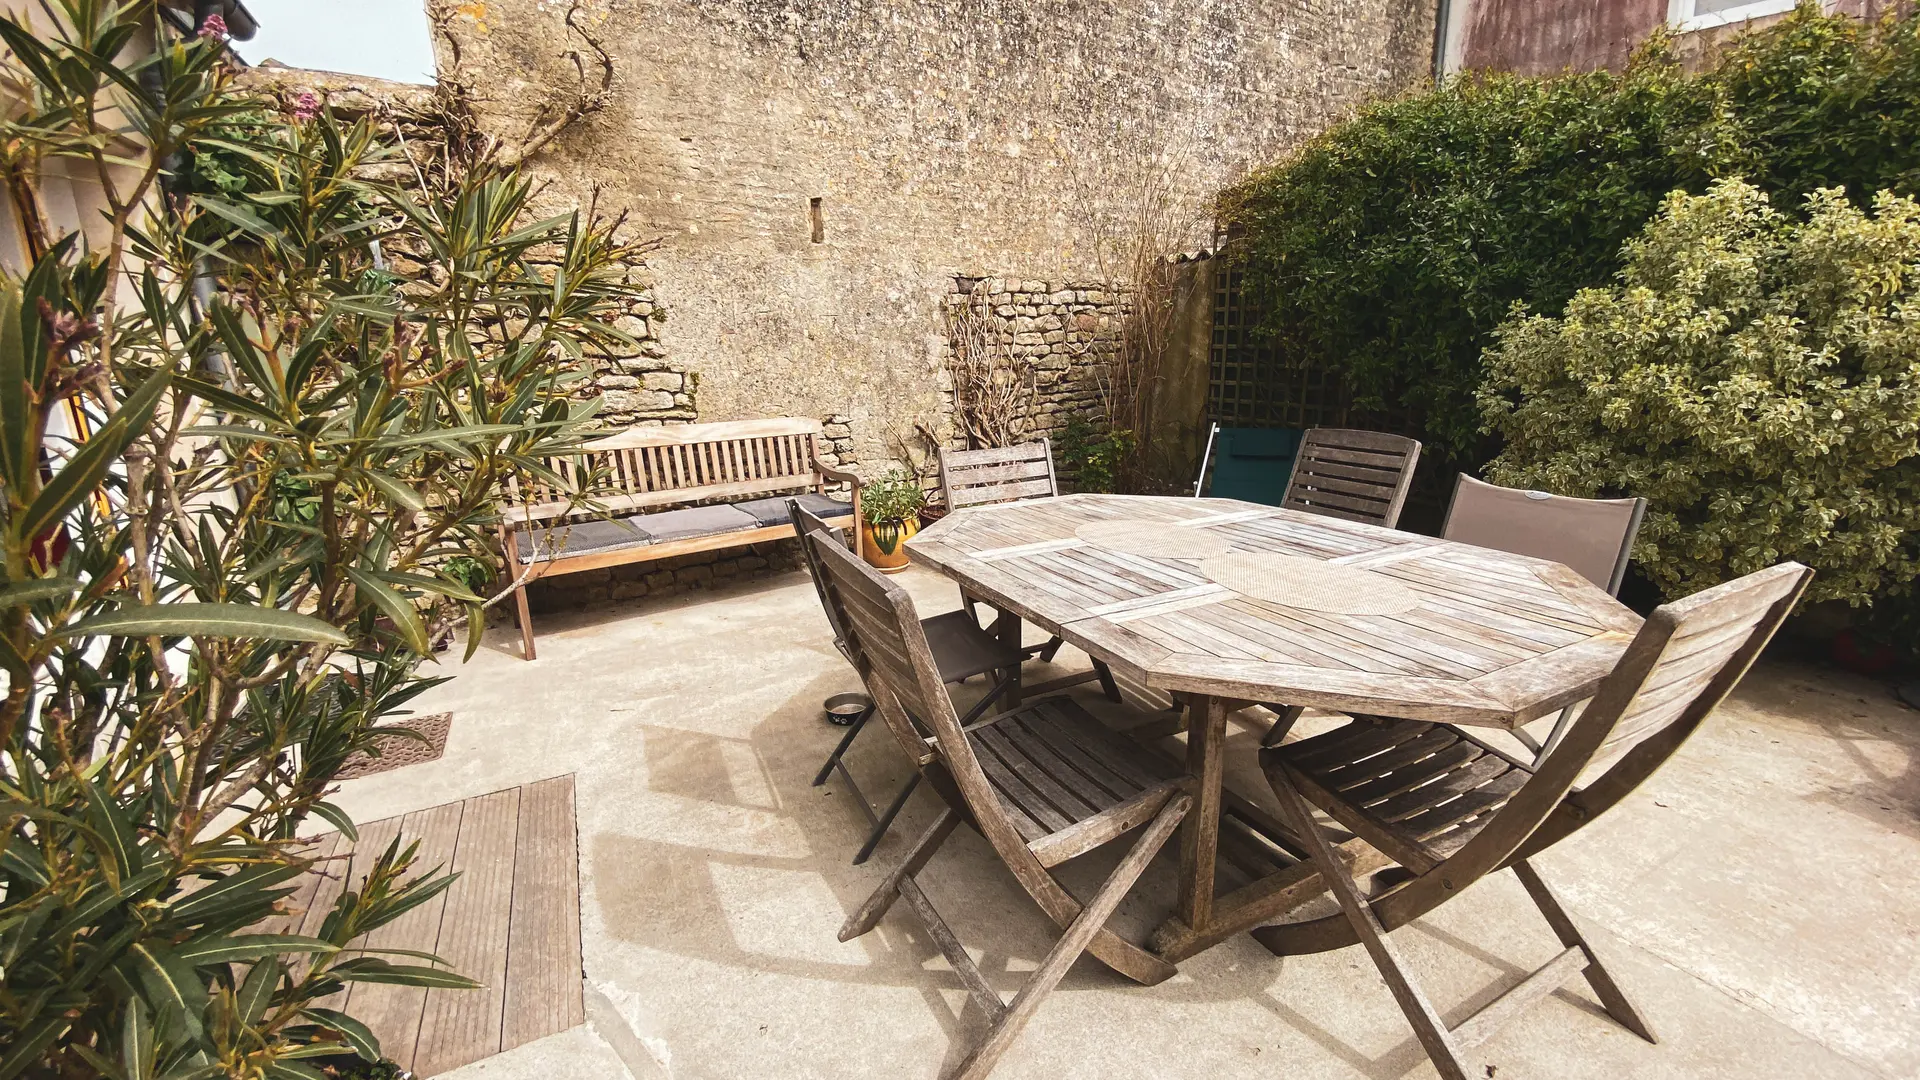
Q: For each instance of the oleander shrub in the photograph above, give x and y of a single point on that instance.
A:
(1754, 374)
(1389, 248)
(222, 512)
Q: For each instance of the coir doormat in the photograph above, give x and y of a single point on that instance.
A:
(397, 751)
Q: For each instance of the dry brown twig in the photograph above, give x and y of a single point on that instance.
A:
(993, 386)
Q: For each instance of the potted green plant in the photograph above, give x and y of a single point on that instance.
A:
(890, 509)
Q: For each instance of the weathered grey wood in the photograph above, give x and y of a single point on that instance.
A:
(462, 1026)
(1450, 816)
(876, 906)
(1545, 980)
(1568, 931)
(963, 965)
(1497, 639)
(1079, 936)
(646, 467)
(999, 474)
(1046, 776)
(1206, 761)
(1358, 475)
(543, 981)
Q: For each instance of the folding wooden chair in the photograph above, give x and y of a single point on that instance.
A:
(1351, 474)
(1042, 784)
(1450, 809)
(960, 649)
(1592, 537)
(1007, 474)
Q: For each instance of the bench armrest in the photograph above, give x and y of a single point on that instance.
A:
(842, 475)
(852, 480)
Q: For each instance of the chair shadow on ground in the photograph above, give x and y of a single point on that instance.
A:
(1008, 934)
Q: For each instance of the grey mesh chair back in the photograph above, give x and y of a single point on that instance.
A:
(1593, 537)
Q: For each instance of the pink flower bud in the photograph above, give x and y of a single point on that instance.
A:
(215, 27)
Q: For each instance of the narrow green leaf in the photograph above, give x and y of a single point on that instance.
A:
(409, 975)
(353, 1031)
(32, 592)
(113, 826)
(88, 466)
(256, 991)
(14, 429)
(338, 818)
(238, 215)
(137, 1045)
(175, 991)
(240, 621)
(225, 892)
(395, 490)
(28, 1045)
(242, 948)
(476, 629)
(293, 1070)
(396, 607)
(430, 583)
(223, 399)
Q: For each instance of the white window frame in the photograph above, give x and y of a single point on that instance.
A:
(1681, 14)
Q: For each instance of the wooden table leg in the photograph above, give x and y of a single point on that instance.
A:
(1200, 835)
(1006, 627)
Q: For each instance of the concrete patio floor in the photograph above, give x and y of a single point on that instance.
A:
(1757, 896)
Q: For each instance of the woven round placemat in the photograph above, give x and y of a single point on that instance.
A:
(1153, 539)
(1310, 584)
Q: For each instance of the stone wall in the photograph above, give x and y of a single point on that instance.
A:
(819, 172)
(1060, 336)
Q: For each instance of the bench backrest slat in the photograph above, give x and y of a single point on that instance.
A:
(659, 466)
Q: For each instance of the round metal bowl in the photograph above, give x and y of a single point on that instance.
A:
(845, 709)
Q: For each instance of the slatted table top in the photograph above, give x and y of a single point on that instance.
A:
(1492, 639)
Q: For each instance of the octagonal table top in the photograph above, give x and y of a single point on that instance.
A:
(1471, 635)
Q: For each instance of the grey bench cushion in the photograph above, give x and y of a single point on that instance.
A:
(580, 538)
(693, 522)
(769, 512)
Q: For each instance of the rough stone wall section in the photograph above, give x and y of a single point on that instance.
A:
(819, 170)
(636, 383)
(1065, 334)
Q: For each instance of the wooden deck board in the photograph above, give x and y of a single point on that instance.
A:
(392, 1013)
(544, 994)
(462, 1026)
(511, 922)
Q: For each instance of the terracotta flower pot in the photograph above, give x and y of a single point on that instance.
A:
(885, 544)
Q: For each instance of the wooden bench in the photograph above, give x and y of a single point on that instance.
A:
(730, 483)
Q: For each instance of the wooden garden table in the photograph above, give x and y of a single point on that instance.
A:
(1490, 639)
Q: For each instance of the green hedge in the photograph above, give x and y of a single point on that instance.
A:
(1389, 248)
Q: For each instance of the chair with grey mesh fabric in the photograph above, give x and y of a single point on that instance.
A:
(1450, 809)
(961, 650)
(1592, 537)
(1043, 784)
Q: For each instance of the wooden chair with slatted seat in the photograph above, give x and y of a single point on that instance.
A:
(1000, 475)
(1043, 784)
(1353, 474)
(1450, 809)
(960, 650)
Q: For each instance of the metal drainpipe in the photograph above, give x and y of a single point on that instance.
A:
(1442, 26)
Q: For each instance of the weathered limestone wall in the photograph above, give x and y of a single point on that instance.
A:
(998, 138)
